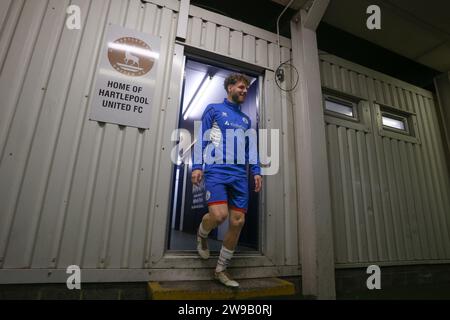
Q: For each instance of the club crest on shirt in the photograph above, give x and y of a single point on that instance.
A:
(245, 120)
(208, 195)
(224, 114)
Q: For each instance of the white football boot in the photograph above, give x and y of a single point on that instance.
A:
(202, 247)
(225, 279)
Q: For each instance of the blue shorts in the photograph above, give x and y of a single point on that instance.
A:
(227, 189)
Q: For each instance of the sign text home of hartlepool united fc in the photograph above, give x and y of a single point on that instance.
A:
(125, 82)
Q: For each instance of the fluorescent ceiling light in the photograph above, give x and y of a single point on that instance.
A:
(197, 96)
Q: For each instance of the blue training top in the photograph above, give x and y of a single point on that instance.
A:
(224, 123)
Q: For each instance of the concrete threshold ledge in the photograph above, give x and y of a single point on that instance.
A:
(213, 290)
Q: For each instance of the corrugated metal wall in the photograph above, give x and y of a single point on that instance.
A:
(390, 198)
(216, 35)
(74, 191)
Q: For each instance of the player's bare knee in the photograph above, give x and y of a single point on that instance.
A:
(238, 222)
(220, 217)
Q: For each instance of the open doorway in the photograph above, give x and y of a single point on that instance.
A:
(203, 85)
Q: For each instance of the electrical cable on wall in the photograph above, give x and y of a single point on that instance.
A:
(280, 72)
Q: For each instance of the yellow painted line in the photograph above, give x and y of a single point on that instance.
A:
(281, 288)
(160, 293)
(284, 288)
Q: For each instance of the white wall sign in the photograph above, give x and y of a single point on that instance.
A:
(126, 78)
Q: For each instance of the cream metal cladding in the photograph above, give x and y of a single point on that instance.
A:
(390, 197)
(74, 191)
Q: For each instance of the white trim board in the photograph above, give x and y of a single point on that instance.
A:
(390, 263)
(34, 276)
(170, 4)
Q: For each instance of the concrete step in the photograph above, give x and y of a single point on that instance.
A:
(213, 290)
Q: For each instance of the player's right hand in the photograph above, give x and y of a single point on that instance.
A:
(197, 176)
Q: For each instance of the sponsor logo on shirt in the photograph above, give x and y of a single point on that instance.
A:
(235, 125)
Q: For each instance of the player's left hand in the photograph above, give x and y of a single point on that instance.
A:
(258, 183)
